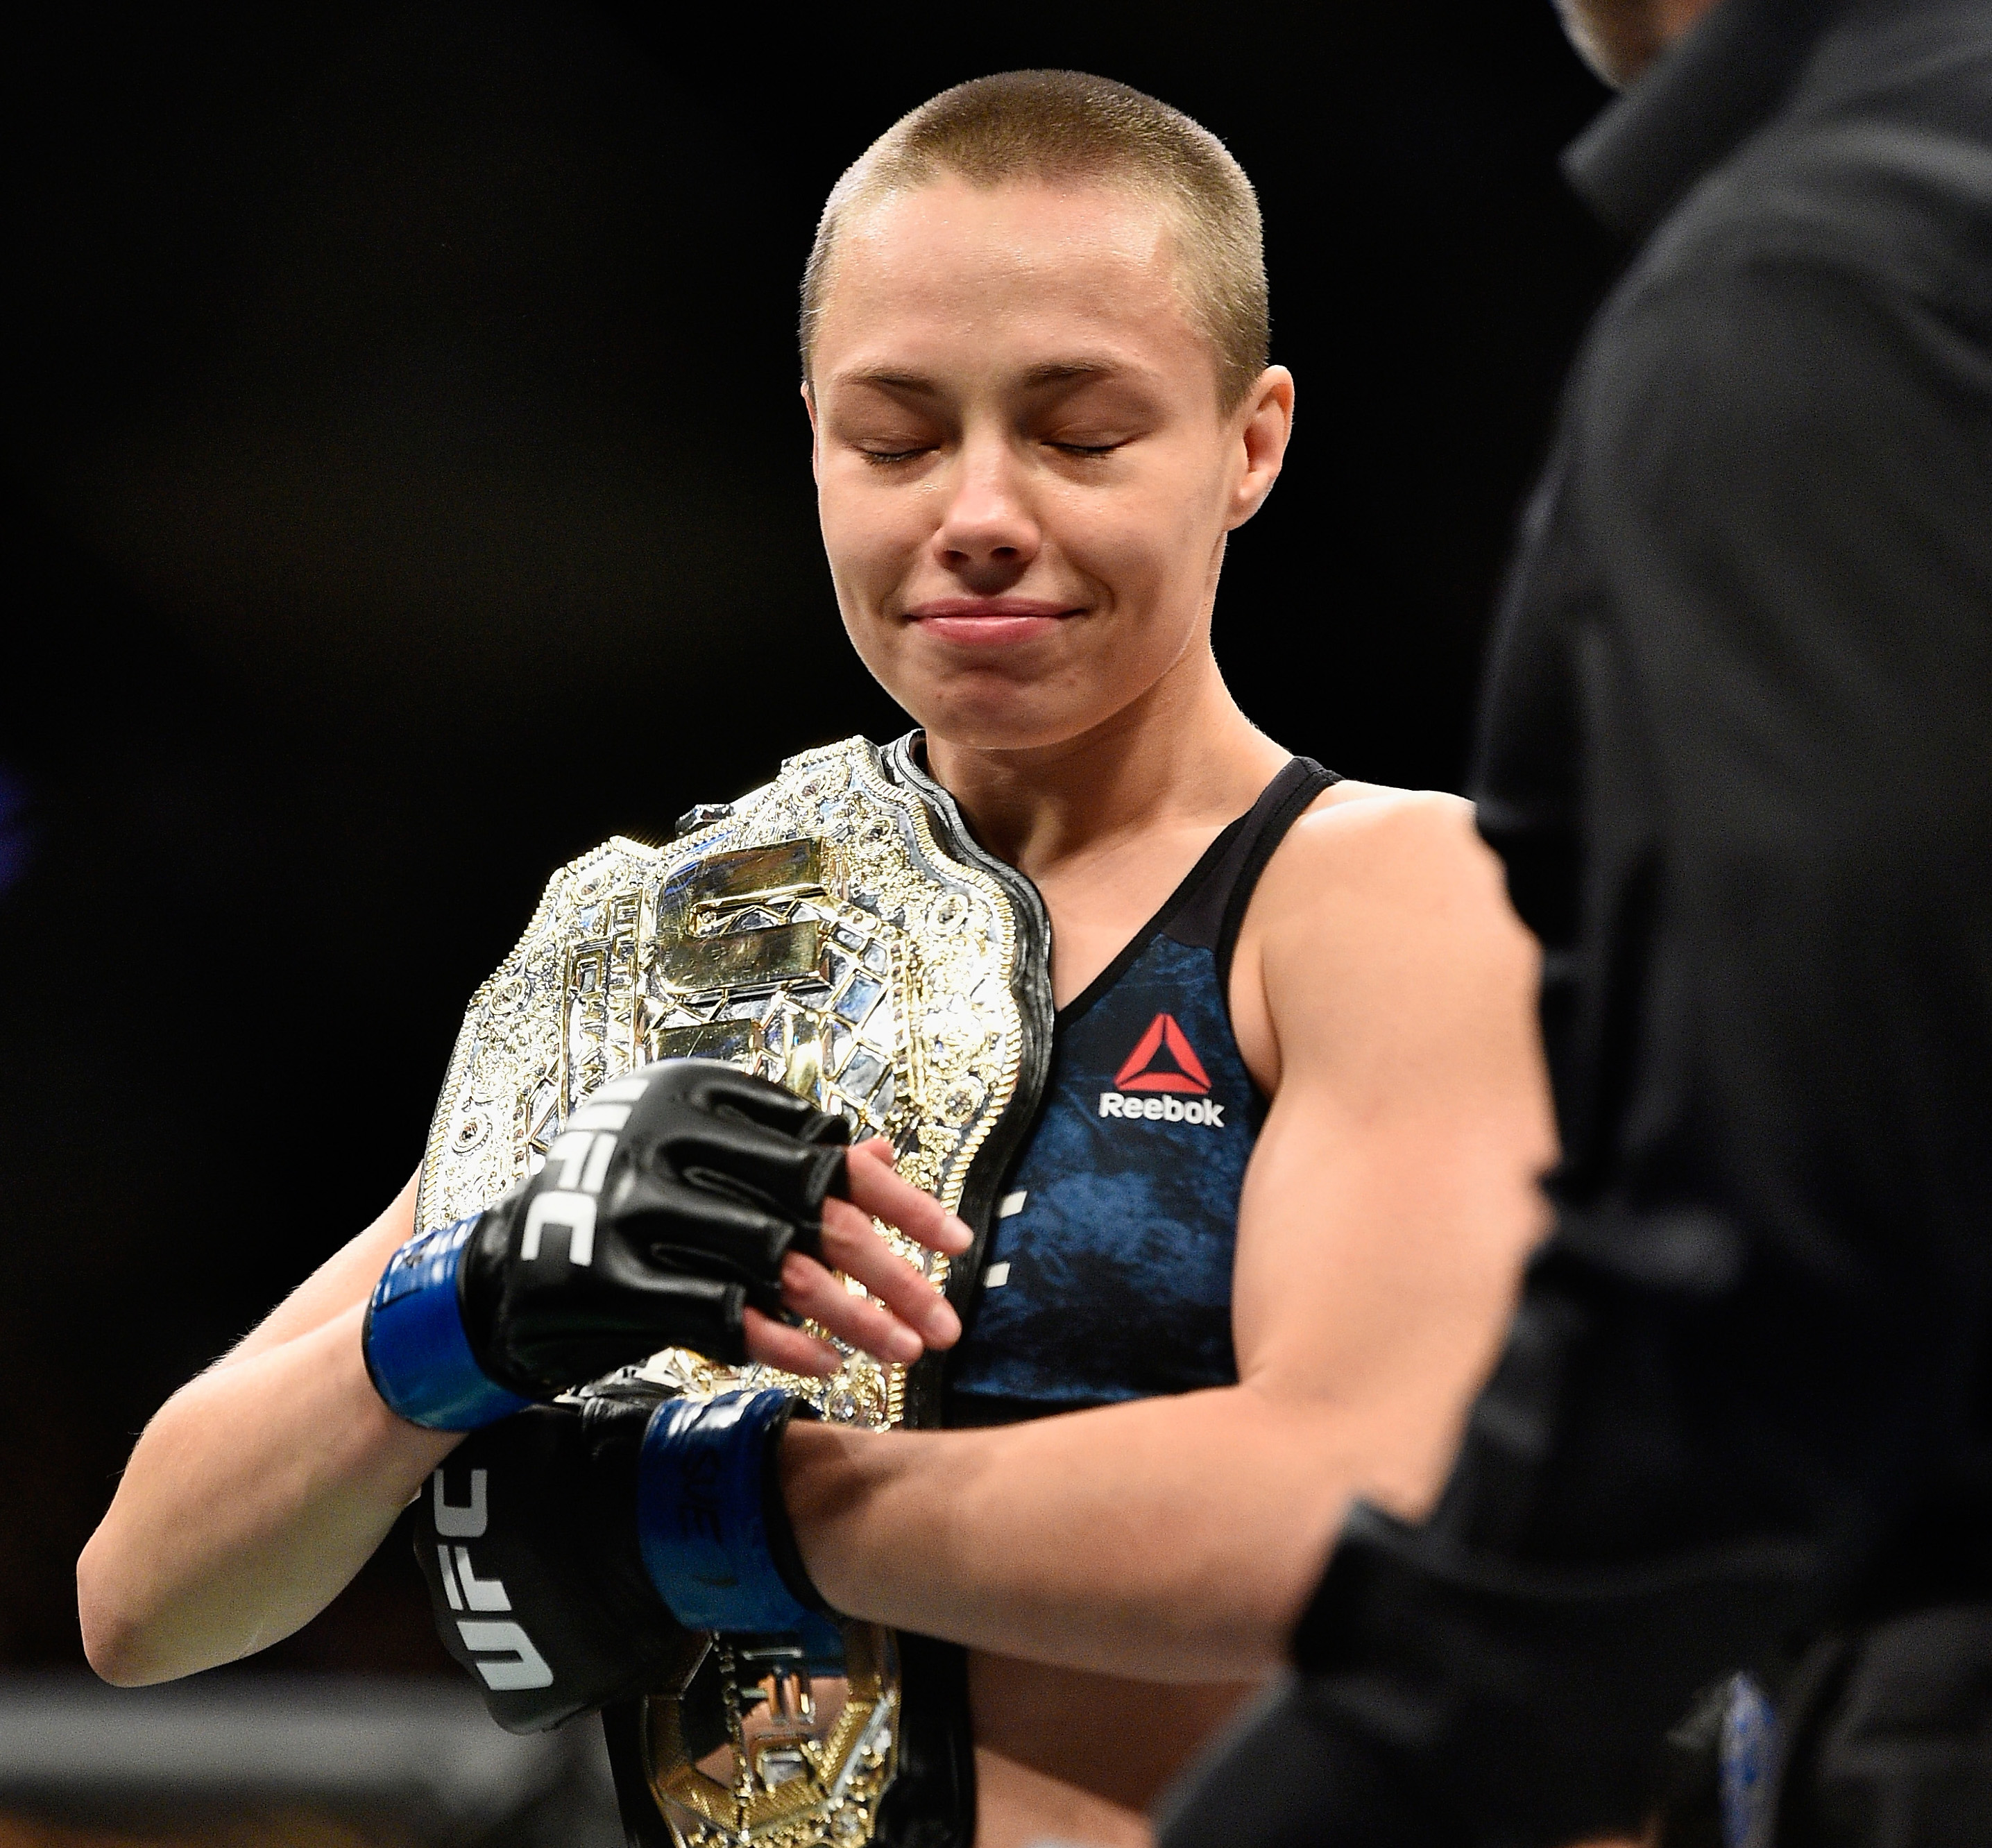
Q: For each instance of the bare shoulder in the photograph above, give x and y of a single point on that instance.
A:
(1380, 848)
(1383, 920)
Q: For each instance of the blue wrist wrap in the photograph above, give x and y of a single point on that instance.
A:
(417, 1353)
(700, 1520)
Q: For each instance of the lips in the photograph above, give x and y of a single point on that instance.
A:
(989, 621)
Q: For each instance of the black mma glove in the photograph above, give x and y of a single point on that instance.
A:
(527, 1538)
(562, 1547)
(666, 1206)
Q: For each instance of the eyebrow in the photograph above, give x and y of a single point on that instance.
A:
(1055, 372)
(1052, 372)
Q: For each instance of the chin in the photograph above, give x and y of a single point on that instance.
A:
(1017, 720)
(1617, 38)
(1030, 699)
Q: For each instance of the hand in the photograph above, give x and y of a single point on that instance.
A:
(903, 1314)
(675, 1202)
(575, 1554)
(527, 1540)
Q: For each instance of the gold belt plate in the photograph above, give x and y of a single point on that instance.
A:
(819, 933)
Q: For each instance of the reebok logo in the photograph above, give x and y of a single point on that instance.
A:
(1163, 1061)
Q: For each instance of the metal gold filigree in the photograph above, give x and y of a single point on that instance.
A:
(819, 933)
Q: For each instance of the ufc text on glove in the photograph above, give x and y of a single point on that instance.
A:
(666, 1206)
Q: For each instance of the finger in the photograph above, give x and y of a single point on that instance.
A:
(775, 1344)
(810, 1289)
(851, 1244)
(726, 1088)
(875, 1188)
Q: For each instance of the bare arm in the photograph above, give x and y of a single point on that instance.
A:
(259, 1488)
(1388, 1204)
(262, 1486)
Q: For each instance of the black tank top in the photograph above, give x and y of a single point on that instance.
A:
(1108, 1274)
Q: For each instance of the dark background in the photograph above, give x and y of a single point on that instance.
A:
(406, 488)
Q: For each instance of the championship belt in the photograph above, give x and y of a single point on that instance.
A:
(839, 931)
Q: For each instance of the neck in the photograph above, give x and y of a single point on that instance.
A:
(1182, 753)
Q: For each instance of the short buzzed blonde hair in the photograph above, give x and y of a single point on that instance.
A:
(1054, 126)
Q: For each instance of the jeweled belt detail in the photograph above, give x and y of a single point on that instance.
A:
(820, 933)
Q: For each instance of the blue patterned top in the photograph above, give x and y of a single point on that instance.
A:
(1108, 1274)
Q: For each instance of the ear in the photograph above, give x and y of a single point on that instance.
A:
(815, 435)
(1265, 423)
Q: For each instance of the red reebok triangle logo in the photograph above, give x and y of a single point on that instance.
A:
(1163, 1060)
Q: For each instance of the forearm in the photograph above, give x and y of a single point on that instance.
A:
(253, 1497)
(1168, 1540)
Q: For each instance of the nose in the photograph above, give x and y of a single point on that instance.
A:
(987, 534)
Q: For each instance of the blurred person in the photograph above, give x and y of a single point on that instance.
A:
(1736, 761)
(1036, 372)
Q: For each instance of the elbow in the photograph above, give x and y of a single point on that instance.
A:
(111, 1665)
(113, 1639)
